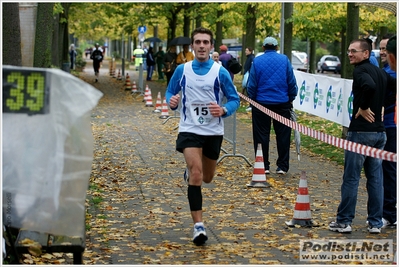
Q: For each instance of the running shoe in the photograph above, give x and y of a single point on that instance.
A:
(280, 171)
(199, 235)
(374, 230)
(387, 224)
(339, 227)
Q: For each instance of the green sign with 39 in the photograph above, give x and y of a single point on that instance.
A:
(25, 91)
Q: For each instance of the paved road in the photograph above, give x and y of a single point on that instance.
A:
(137, 203)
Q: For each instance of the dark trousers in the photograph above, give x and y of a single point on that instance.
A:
(168, 77)
(261, 125)
(96, 66)
(389, 171)
(150, 70)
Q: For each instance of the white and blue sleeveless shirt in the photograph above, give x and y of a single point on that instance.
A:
(198, 91)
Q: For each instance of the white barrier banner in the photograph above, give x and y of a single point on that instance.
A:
(326, 97)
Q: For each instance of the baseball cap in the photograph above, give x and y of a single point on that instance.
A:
(270, 41)
(223, 48)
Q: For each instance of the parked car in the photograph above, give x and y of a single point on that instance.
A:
(329, 63)
(296, 62)
(302, 55)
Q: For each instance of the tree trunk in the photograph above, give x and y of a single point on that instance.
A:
(344, 57)
(44, 34)
(11, 35)
(288, 11)
(64, 34)
(312, 63)
(219, 30)
(250, 26)
(172, 26)
(352, 33)
(55, 44)
(187, 20)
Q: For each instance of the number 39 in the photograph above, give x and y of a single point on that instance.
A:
(29, 94)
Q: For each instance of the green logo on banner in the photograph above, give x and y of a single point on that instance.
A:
(316, 95)
(329, 97)
(302, 93)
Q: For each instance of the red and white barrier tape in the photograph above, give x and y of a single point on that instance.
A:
(332, 140)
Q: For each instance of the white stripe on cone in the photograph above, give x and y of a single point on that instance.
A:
(158, 104)
(302, 199)
(302, 215)
(134, 87)
(259, 176)
(165, 110)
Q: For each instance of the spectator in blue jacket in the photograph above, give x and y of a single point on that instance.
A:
(272, 84)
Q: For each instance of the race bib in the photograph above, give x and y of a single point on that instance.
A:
(200, 113)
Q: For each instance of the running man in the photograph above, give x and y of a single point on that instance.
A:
(204, 84)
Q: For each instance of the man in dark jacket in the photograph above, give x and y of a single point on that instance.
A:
(224, 58)
(272, 84)
(366, 128)
(248, 63)
(150, 63)
(97, 57)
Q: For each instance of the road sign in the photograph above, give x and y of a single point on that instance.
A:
(142, 29)
(141, 37)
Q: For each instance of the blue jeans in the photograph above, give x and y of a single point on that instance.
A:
(354, 163)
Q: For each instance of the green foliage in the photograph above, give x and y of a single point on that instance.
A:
(116, 55)
(299, 45)
(58, 9)
(318, 147)
(80, 62)
(317, 21)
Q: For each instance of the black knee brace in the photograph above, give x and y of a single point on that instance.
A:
(194, 197)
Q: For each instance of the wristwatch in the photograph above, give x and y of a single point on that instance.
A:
(225, 110)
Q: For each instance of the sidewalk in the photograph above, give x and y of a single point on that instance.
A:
(137, 202)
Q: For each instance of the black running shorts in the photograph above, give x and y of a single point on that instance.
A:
(210, 145)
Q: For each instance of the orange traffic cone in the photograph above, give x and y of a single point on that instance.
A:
(110, 69)
(158, 104)
(259, 176)
(128, 86)
(165, 110)
(119, 75)
(302, 214)
(148, 100)
(113, 72)
(146, 93)
(134, 87)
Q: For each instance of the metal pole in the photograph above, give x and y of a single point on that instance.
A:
(123, 57)
(141, 81)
